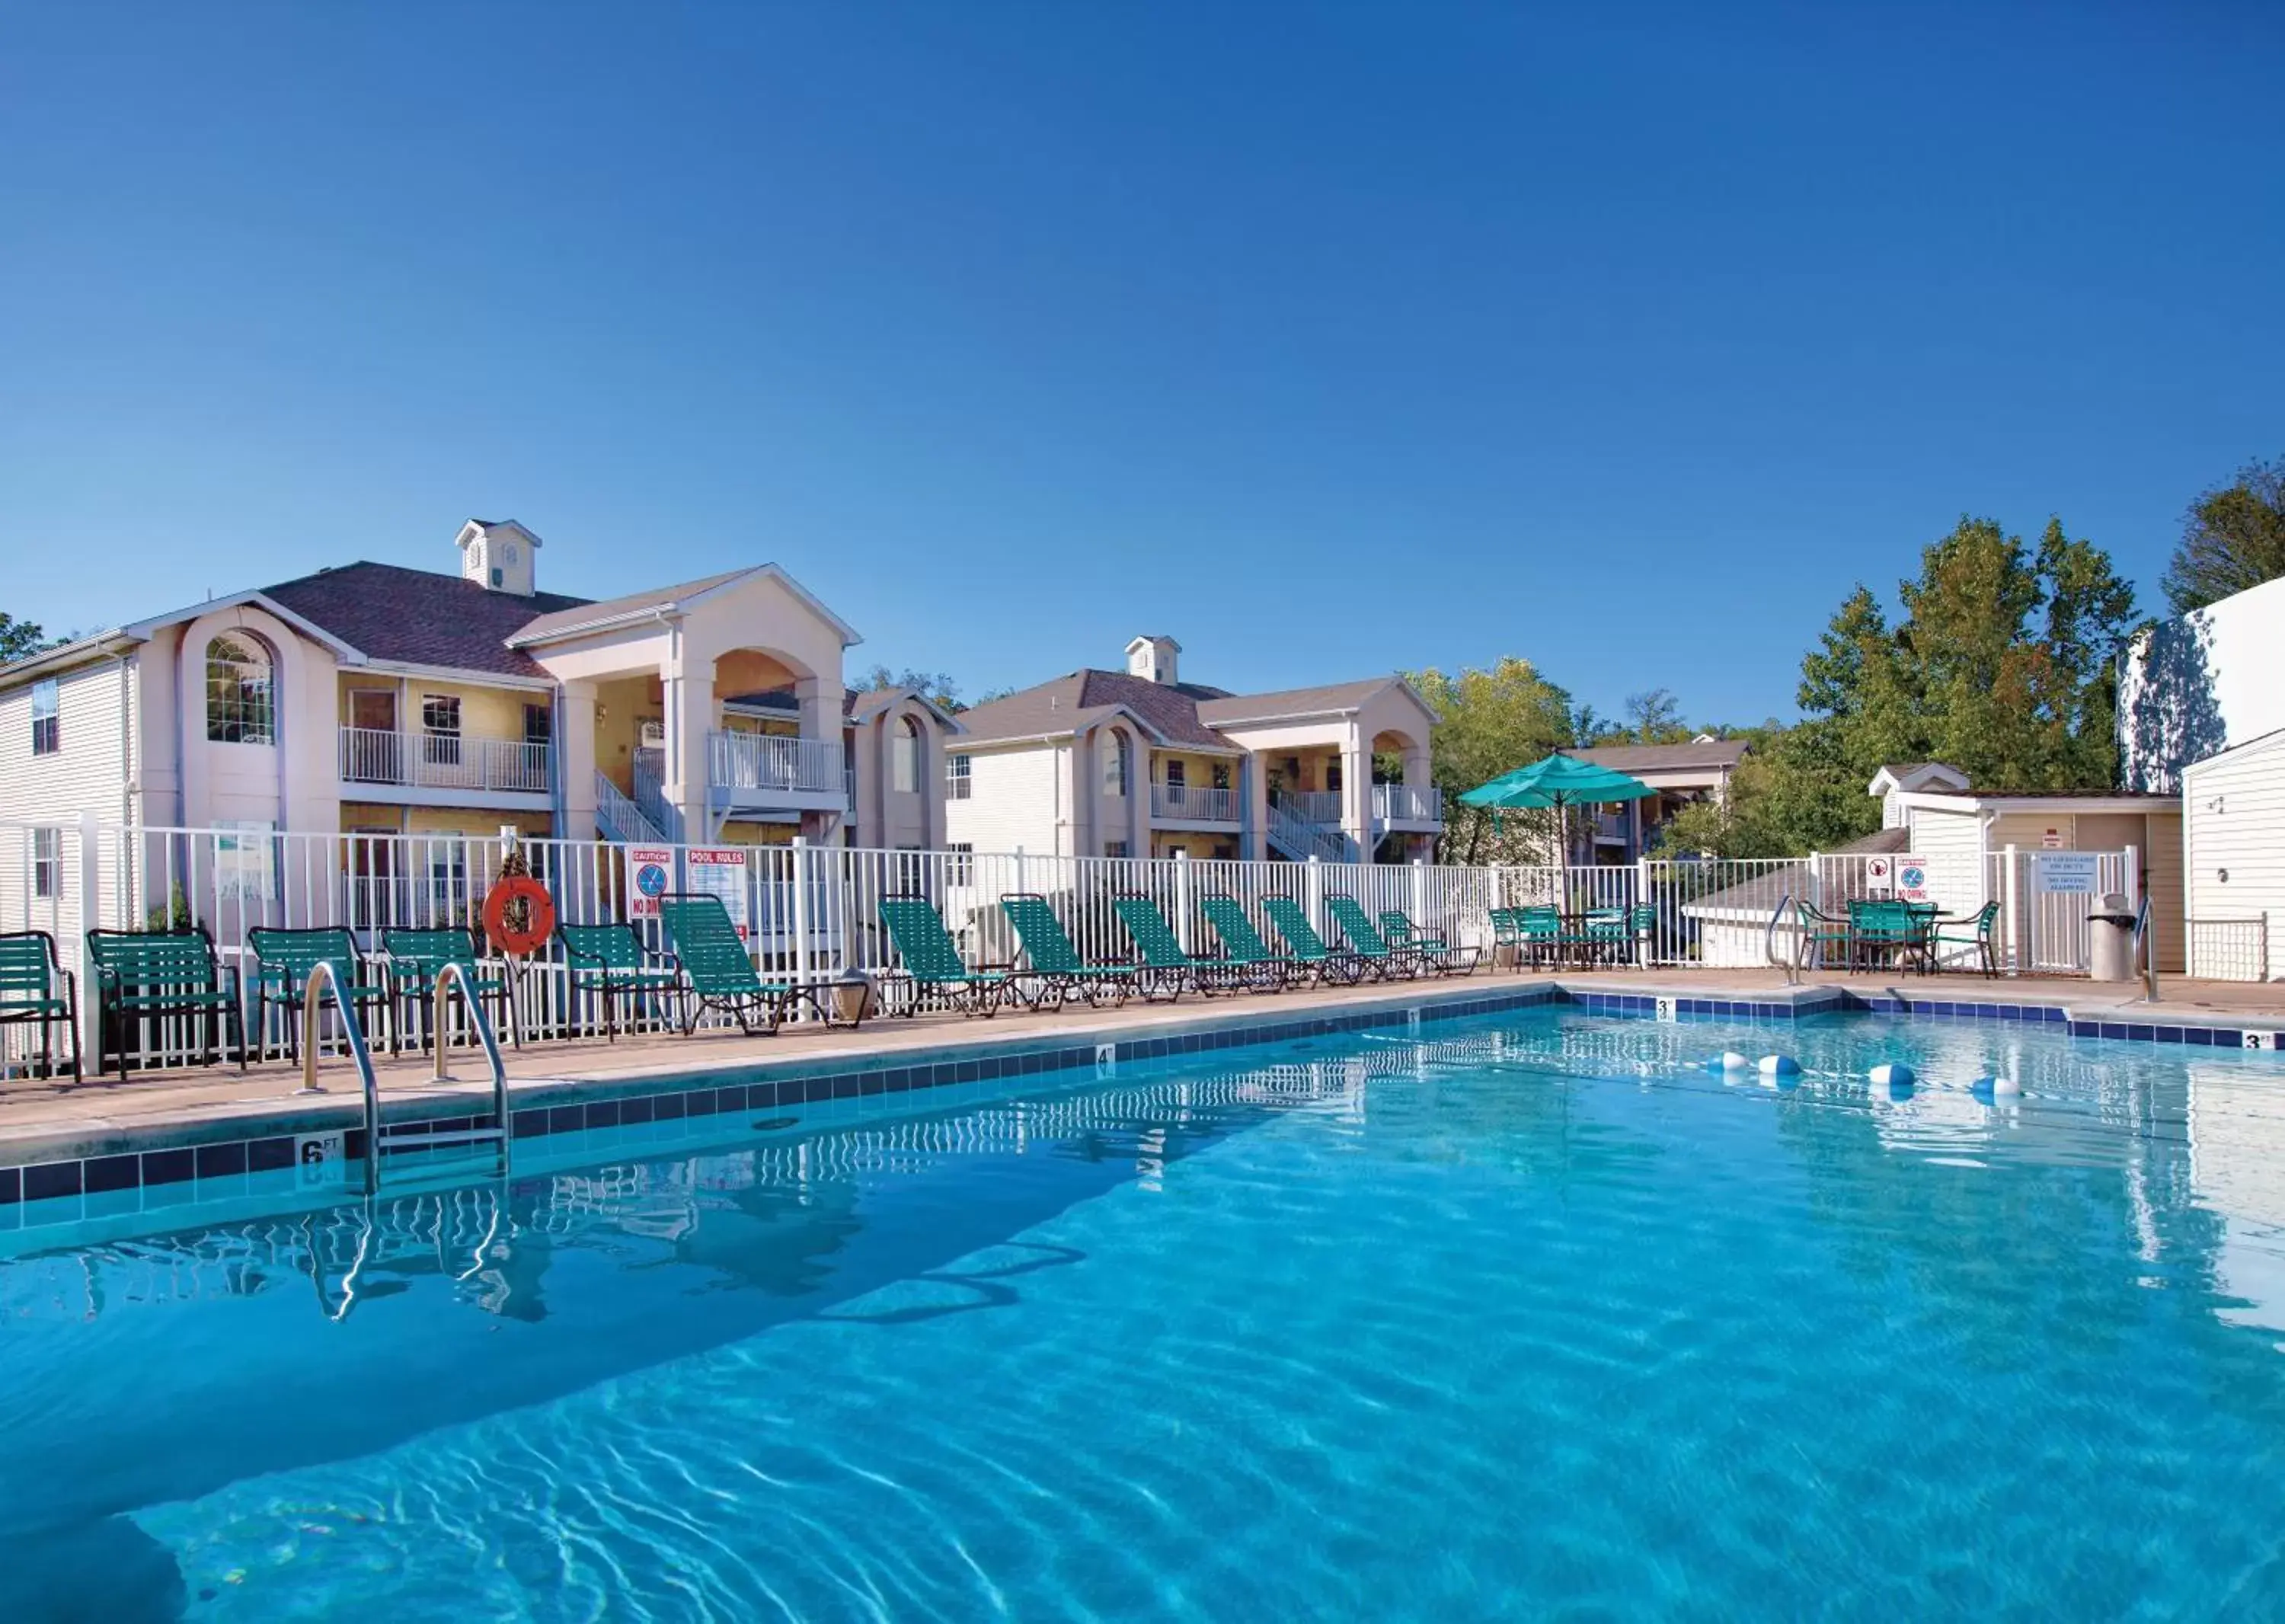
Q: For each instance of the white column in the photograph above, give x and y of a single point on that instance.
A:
(1182, 899)
(1253, 797)
(90, 913)
(689, 718)
(574, 750)
(802, 870)
(1356, 791)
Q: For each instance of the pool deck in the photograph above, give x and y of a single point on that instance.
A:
(41, 1120)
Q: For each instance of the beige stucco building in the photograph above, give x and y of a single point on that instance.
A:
(371, 697)
(1138, 763)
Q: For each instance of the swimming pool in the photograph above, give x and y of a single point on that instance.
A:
(1531, 1311)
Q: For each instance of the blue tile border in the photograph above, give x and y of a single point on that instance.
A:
(226, 1165)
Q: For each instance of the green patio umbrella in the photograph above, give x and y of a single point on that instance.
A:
(1560, 781)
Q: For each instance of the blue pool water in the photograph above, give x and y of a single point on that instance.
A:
(1536, 1314)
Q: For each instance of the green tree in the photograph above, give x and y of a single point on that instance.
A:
(2002, 666)
(20, 640)
(1492, 720)
(1654, 717)
(2232, 538)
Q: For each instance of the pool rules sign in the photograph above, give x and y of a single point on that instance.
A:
(708, 871)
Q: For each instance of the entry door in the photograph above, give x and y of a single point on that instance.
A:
(374, 754)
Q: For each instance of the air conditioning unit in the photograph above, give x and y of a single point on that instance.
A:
(654, 736)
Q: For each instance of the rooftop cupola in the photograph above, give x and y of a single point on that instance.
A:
(1152, 659)
(500, 555)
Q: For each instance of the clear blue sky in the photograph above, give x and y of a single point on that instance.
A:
(1329, 338)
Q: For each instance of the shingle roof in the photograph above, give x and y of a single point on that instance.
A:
(1293, 702)
(1664, 757)
(419, 617)
(1082, 698)
(587, 612)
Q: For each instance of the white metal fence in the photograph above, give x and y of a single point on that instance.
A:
(2230, 949)
(813, 912)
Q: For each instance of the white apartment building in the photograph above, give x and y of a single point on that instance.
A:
(370, 697)
(1138, 763)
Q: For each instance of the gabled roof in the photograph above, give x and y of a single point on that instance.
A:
(1169, 711)
(667, 601)
(1911, 775)
(861, 707)
(1718, 754)
(418, 616)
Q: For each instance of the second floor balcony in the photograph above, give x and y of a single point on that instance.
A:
(1194, 804)
(765, 770)
(379, 758)
(1407, 803)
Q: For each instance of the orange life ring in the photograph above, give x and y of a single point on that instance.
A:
(539, 911)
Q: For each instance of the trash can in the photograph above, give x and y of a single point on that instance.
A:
(854, 996)
(2111, 939)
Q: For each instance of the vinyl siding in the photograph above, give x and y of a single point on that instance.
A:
(1012, 801)
(88, 772)
(1952, 844)
(2235, 811)
(2161, 878)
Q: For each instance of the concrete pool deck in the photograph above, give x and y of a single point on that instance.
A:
(43, 1119)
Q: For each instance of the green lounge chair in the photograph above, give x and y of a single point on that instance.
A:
(1309, 952)
(1056, 967)
(1507, 935)
(417, 956)
(162, 975)
(1432, 949)
(1977, 937)
(1167, 965)
(610, 962)
(933, 964)
(1367, 943)
(1246, 958)
(283, 963)
(35, 987)
(717, 973)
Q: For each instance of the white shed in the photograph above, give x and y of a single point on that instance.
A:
(2234, 852)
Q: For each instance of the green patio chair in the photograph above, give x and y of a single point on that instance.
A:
(283, 963)
(1978, 936)
(1056, 966)
(1310, 954)
(1881, 930)
(611, 964)
(1819, 930)
(1507, 935)
(1540, 931)
(932, 963)
(717, 972)
(1642, 927)
(1167, 965)
(1438, 954)
(1365, 940)
(35, 987)
(1600, 937)
(1245, 957)
(157, 976)
(416, 956)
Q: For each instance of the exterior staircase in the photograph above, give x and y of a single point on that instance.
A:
(1301, 840)
(620, 821)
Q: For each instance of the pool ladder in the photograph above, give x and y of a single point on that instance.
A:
(326, 977)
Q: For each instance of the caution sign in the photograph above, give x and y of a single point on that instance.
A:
(1912, 879)
(651, 877)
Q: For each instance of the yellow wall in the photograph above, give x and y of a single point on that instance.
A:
(472, 820)
(736, 833)
(623, 706)
(1200, 846)
(1198, 771)
(485, 712)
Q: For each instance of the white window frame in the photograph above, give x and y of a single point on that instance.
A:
(47, 716)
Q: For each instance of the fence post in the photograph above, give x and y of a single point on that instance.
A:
(1182, 898)
(801, 871)
(90, 911)
(1313, 895)
(2020, 929)
(1420, 901)
(1814, 888)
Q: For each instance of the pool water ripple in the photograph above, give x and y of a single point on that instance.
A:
(1536, 1315)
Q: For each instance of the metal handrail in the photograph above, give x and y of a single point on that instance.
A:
(456, 971)
(1770, 942)
(2145, 946)
(326, 975)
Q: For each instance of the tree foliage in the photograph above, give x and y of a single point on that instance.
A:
(2002, 664)
(2232, 538)
(939, 687)
(1491, 720)
(20, 639)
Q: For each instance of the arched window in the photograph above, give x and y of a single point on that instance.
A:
(905, 758)
(242, 705)
(1116, 761)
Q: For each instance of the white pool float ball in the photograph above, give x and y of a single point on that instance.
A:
(1732, 1061)
(1779, 1066)
(2003, 1086)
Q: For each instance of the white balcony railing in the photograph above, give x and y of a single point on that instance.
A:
(748, 763)
(1612, 825)
(1406, 804)
(442, 761)
(1196, 801)
(1319, 808)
